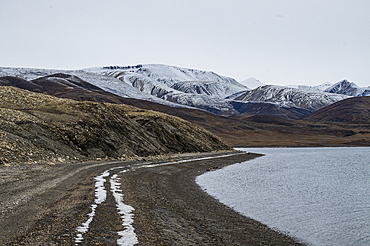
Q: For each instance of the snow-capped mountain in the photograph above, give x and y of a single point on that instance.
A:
(182, 87)
(169, 85)
(348, 88)
(170, 74)
(190, 87)
(288, 97)
(156, 77)
(107, 83)
(251, 83)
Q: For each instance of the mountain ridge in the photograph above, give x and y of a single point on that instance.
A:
(191, 88)
(288, 97)
(252, 128)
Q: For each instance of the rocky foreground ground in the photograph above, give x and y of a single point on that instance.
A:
(43, 205)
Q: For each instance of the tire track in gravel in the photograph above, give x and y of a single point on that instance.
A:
(103, 188)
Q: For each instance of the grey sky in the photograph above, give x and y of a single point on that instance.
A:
(277, 42)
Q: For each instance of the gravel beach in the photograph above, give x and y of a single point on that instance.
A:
(44, 205)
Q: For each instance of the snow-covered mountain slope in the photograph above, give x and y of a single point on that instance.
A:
(252, 83)
(182, 87)
(107, 83)
(210, 88)
(289, 97)
(162, 78)
(190, 87)
(316, 88)
(321, 87)
(27, 73)
(125, 82)
(348, 88)
(170, 74)
(146, 84)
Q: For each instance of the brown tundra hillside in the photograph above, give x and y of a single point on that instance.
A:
(40, 128)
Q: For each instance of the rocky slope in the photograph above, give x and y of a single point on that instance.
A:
(40, 128)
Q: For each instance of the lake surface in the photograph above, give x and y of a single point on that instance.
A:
(318, 195)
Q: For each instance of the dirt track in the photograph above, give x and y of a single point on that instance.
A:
(43, 205)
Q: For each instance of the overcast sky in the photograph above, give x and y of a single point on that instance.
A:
(278, 42)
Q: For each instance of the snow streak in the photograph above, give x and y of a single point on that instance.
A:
(101, 195)
(128, 236)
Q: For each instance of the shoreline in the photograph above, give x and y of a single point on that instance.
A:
(181, 213)
(170, 208)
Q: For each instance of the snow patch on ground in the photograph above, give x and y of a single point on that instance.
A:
(128, 236)
(100, 196)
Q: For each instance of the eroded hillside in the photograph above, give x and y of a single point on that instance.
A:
(40, 128)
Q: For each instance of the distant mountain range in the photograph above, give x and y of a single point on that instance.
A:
(192, 88)
(263, 116)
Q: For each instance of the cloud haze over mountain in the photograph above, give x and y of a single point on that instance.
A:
(277, 42)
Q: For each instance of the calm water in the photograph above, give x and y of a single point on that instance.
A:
(319, 195)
